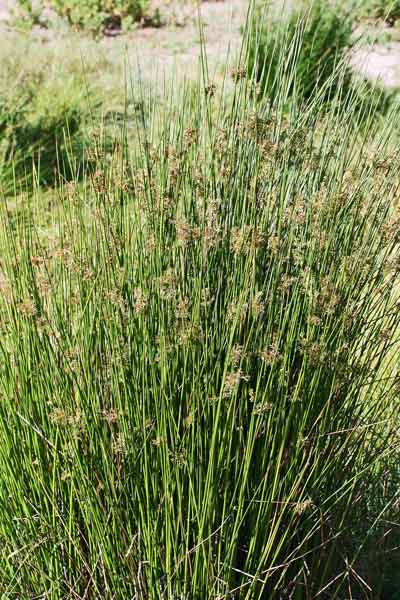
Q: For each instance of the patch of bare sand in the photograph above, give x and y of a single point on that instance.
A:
(175, 48)
(379, 63)
(171, 50)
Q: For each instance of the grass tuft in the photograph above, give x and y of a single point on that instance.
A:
(199, 345)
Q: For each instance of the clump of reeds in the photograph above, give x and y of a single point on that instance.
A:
(197, 359)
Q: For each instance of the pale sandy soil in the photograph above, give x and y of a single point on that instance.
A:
(379, 63)
(177, 43)
(4, 9)
(175, 47)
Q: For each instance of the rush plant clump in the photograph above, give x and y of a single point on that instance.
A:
(199, 341)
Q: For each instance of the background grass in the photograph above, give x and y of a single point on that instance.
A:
(389, 10)
(308, 48)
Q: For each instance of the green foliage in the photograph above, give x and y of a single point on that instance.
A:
(199, 339)
(49, 107)
(306, 54)
(42, 133)
(197, 359)
(90, 15)
(389, 10)
(314, 41)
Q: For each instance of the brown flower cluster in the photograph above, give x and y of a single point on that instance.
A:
(245, 239)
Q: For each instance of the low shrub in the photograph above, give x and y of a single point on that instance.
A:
(388, 10)
(90, 15)
(37, 145)
(50, 106)
(43, 132)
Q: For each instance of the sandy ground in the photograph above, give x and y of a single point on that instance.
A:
(379, 63)
(4, 9)
(176, 46)
(173, 48)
